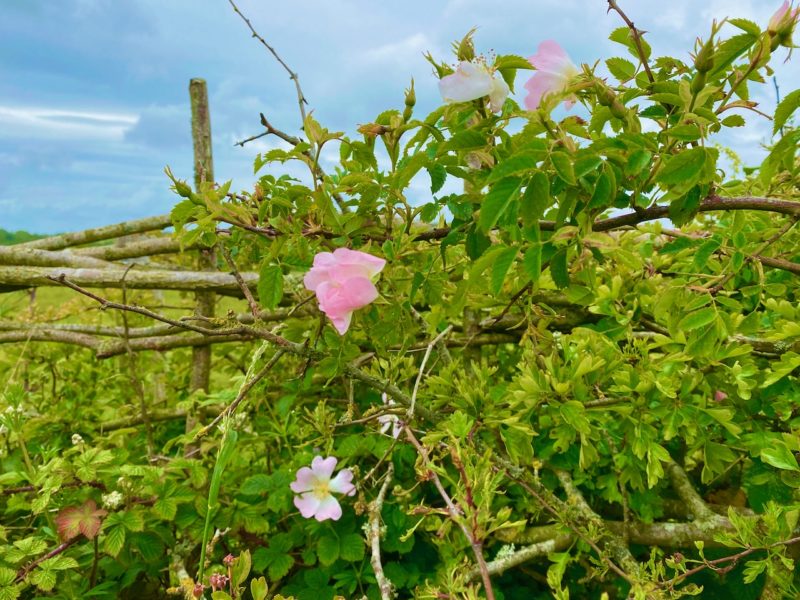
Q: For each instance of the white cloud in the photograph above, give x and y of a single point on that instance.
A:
(400, 52)
(55, 123)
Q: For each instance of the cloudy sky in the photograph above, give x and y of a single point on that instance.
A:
(94, 93)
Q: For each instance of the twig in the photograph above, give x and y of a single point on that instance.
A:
(436, 340)
(132, 369)
(60, 549)
(243, 391)
(301, 99)
(756, 255)
(384, 584)
(255, 309)
(455, 514)
(637, 38)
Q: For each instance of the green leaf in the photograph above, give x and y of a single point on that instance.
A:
(605, 189)
(497, 201)
(258, 588)
(684, 133)
(328, 550)
(683, 168)
(270, 286)
(518, 163)
(536, 199)
(622, 35)
(532, 262)
(280, 566)
(512, 61)
(351, 547)
(698, 319)
(114, 540)
(621, 68)
(733, 121)
(779, 456)
(466, 140)
(44, 579)
(785, 109)
(746, 25)
(637, 161)
(559, 269)
(502, 263)
(438, 176)
(563, 166)
(241, 568)
(256, 485)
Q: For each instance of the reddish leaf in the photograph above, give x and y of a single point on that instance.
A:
(85, 519)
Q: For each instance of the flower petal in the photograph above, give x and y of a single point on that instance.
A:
(323, 467)
(342, 322)
(551, 57)
(328, 509)
(371, 264)
(469, 82)
(342, 483)
(304, 482)
(308, 504)
(498, 95)
(540, 85)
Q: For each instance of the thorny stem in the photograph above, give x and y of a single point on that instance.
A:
(301, 99)
(455, 513)
(637, 38)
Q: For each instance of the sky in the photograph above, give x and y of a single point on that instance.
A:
(94, 93)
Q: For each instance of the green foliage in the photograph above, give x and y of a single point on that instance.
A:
(613, 396)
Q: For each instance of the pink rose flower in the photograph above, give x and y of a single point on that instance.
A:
(784, 17)
(343, 283)
(554, 70)
(472, 81)
(315, 486)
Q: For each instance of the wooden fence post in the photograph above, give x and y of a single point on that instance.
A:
(203, 172)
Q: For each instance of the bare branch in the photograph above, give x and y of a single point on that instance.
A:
(301, 99)
(374, 537)
(108, 232)
(637, 38)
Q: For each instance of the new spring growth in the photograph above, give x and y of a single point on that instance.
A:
(782, 24)
(411, 100)
(607, 97)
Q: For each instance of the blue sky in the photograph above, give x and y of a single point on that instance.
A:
(94, 93)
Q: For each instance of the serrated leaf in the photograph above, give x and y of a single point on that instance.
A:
(438, 176)
(84, 519)
(328, 550)
(746, 25)
(497, 201)
(532, 262)
(697, 319)
(559, 269)
(351, 547)
(733, 121)
(114, 540)
(621, 68)
(466, 140)
(683, 168)
(563, 166)
(502, 263)
(785, 109)
(256, 485)
(270, 286)
(44, 579)
(518, 163)
(536, 199)
(512, 61)
(605, 189)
